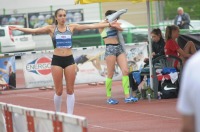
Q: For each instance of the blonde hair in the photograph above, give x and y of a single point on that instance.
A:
(180, 8)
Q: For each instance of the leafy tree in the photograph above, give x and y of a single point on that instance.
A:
(192, 7)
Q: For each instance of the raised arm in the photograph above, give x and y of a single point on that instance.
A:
(42, 30)
(116, 15)
(113, 24)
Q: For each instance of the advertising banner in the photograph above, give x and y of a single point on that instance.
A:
(17, 19)
(36, 20)
(90, 62)
(37, 70)
(75, 15)
(7, 72)
(40, 19)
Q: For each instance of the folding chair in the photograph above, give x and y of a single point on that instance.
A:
(165, 61)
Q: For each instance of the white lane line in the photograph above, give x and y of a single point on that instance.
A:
(116, 109)
(130, 111)
(101, 127)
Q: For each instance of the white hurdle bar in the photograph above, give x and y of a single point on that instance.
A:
(15, 118)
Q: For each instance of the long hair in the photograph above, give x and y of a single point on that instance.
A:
(169, 29)
(157, 32)
(56, 13)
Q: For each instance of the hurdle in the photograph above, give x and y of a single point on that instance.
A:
(15, 118)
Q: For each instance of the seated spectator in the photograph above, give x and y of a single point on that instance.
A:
(172, 47)
(158, 44)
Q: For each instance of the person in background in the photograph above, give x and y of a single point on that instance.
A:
(63, 62)
(188, 101)
(158, 44)
(182, 19)
(172, 47)
(11, 74)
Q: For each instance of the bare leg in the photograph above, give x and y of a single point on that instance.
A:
(70, 74)
(96, 63)
(110, 62)
(123, 64)
(190, 48)
(57, 73)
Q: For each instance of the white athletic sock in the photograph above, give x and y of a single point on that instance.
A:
(70, 103)
(57, 102)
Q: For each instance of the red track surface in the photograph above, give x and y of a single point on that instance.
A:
(143, 116)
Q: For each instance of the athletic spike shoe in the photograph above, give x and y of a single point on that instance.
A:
(112, 101)
(129, 100)
(134, 99)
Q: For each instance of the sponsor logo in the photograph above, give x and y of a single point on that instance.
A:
(63, 36)
(168, 88)
(41, 66)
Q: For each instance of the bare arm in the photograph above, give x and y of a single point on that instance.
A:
(42, 30)
(97, 25)
(188, 124)
(183, 54)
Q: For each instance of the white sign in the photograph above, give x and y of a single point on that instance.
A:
(91, 65)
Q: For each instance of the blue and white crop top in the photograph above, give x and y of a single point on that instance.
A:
(109, 32)
(62, 39)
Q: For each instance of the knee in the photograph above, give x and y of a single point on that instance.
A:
(190, 43)
(70, 90)
(125, 72)
(59, 93)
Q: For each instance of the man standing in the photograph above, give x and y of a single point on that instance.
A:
(188, 102)
(182, 20)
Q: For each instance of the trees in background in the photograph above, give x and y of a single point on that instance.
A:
(192, 7)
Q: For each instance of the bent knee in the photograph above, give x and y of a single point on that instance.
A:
(190, 43)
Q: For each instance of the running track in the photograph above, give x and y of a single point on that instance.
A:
(143, 116)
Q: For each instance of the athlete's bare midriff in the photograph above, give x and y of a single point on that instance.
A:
(62, 51)
(111, 41)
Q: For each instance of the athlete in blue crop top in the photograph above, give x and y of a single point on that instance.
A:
(115, 53)
(63, 61)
